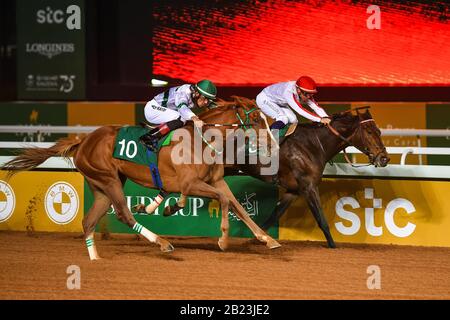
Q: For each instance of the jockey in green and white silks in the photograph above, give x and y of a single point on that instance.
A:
(172, 109)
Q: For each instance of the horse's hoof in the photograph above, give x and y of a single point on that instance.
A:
(168, 247)
(168, 211)
(140, 208)
(223, 244)
(272, 244)
(96, 258)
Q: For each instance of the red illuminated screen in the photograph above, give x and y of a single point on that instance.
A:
(263, 42)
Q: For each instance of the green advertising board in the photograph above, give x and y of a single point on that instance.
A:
(51, 49)
(32, 114)
(201, 216)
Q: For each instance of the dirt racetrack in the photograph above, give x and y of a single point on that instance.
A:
(34, 267)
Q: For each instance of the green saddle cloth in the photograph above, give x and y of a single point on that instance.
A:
(127, 146)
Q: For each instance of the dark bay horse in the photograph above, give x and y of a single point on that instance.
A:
(106, 176)
(304, 154)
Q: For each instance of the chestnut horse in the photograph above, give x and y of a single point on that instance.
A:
(105, 175)
(304, 154)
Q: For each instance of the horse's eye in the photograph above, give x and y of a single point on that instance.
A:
(369, 131)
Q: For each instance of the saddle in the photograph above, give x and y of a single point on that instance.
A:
(127, 147)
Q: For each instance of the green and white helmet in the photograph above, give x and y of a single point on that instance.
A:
(207, 89)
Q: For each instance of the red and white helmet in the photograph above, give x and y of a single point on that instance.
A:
(306, 84)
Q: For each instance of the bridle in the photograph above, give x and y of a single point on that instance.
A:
(244, 123)
(348, 141)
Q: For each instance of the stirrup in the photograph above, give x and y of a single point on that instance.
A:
(149, 142)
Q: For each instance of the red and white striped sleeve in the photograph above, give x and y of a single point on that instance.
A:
(313, 105)
(297, 107)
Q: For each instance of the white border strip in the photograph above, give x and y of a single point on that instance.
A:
(48, 129)
(87, 129)
(391, 171)
(337, 169)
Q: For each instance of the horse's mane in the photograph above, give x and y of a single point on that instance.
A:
(236, 102)
(344, 117)
(223, 105)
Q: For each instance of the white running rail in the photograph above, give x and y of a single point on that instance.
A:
(403, 151)
(391, 171)
(87, 129)
(47, 129)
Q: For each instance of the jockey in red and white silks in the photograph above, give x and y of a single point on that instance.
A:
(278, 100)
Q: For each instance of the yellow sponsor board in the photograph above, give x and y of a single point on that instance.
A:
(404, 212)
(42, 201)
(398, 115)
(100, 113)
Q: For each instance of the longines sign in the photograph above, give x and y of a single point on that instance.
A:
(51, 49)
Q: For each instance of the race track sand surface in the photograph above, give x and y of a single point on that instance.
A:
(35, 267)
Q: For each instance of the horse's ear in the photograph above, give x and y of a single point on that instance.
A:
(365, 113)
(362, 111)
(238, 101)
(243, 102)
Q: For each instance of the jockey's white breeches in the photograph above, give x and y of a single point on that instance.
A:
(284, 114)
(156, 114)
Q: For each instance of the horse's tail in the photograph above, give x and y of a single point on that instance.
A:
(30, 158)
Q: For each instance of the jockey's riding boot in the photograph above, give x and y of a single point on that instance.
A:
(277, 125)
(151, 138)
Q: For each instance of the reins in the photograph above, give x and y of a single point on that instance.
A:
(244, 123)
(207, 143)
(347, 140)
(228, 124)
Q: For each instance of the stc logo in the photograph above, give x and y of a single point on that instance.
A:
(371, 228)
(50, 16)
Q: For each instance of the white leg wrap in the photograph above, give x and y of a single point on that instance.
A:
(93, 255)
(145, 232)
(152, 206)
